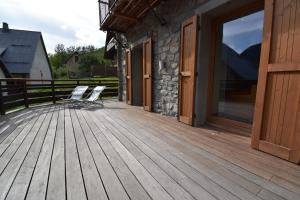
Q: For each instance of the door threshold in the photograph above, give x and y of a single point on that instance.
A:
(230, 129)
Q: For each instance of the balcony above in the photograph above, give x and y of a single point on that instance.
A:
(119, 15)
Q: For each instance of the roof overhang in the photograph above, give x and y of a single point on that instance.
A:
(4, 69)
(110, 46)
(119, 15)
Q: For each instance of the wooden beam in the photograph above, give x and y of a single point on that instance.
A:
(128, 5)
(124, 16)
(283, 67)
(147, 8)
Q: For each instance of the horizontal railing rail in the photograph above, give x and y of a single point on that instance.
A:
(16, 92)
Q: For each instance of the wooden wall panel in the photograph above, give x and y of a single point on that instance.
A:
(276, 121)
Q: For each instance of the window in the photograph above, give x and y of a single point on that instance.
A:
(236, 67)
(76, 58)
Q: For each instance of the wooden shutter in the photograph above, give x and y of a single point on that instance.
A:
(128, 76)
(187, 70)
(276, 126)
(147, 75)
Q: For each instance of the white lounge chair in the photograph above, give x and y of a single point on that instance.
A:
(77, 93)
(95, 95)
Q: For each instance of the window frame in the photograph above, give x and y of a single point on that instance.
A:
(215, 27)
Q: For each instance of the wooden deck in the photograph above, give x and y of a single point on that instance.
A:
(122, 152)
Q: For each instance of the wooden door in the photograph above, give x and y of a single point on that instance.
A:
(128, 71)
(187, 70)
(276, 126)
(147, 75)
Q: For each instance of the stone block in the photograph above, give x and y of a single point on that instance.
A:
(174, 65)
(166, 48)
(170, 57)
(163, 56)
(174, 49)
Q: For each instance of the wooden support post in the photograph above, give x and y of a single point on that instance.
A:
(25, 94)
(2, 110)
(53, 92)
(77, 82)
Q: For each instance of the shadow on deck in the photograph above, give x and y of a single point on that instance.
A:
(118, 152)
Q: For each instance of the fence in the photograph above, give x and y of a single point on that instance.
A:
(15, 93)
(103, 70)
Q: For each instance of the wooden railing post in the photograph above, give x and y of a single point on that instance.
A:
(53, 92)
(2, 110)
(77, 82)
(25, 94)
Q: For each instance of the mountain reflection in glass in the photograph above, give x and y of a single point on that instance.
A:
(236, 67)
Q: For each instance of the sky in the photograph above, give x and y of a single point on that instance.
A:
(244, 32)
(70, 22)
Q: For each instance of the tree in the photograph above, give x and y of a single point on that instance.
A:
(87, 60)
(60, 49)
(89, 55)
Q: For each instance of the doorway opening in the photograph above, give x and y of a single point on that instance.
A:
(137, 75)
(234, 68)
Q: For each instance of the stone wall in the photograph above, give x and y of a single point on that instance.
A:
(166, 48)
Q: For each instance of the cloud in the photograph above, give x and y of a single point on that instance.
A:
(244, 32)
(71, 22)
(245, 24)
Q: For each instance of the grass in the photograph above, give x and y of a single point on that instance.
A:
(98, 78)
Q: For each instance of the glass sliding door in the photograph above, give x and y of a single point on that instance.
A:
(236, 67)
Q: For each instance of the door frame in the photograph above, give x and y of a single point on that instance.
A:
(216, 23)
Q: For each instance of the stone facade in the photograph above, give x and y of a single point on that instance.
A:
(166, 49)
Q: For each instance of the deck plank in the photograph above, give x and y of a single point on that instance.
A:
(15, 144)
(267, 164)
(122, 152)
(209, 185)
(192, 143)
(56, 188)
(22, 180)
(13, 131)
(155, 190)
(74, 179)
(170, 185)
(129, 181)
(273, 187)
(277, 191)
(92, 180)
(252, 176)
(16, 156)
(38, 185)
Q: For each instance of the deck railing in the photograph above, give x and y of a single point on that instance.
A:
(105, 7)
(17, 93)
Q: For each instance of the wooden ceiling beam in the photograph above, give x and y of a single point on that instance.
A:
(124, 16)
(147, 8)
(128, 5)
(127, 13)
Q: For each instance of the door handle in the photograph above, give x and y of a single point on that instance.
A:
(128, 77)
(147, 76)
(186, 74)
